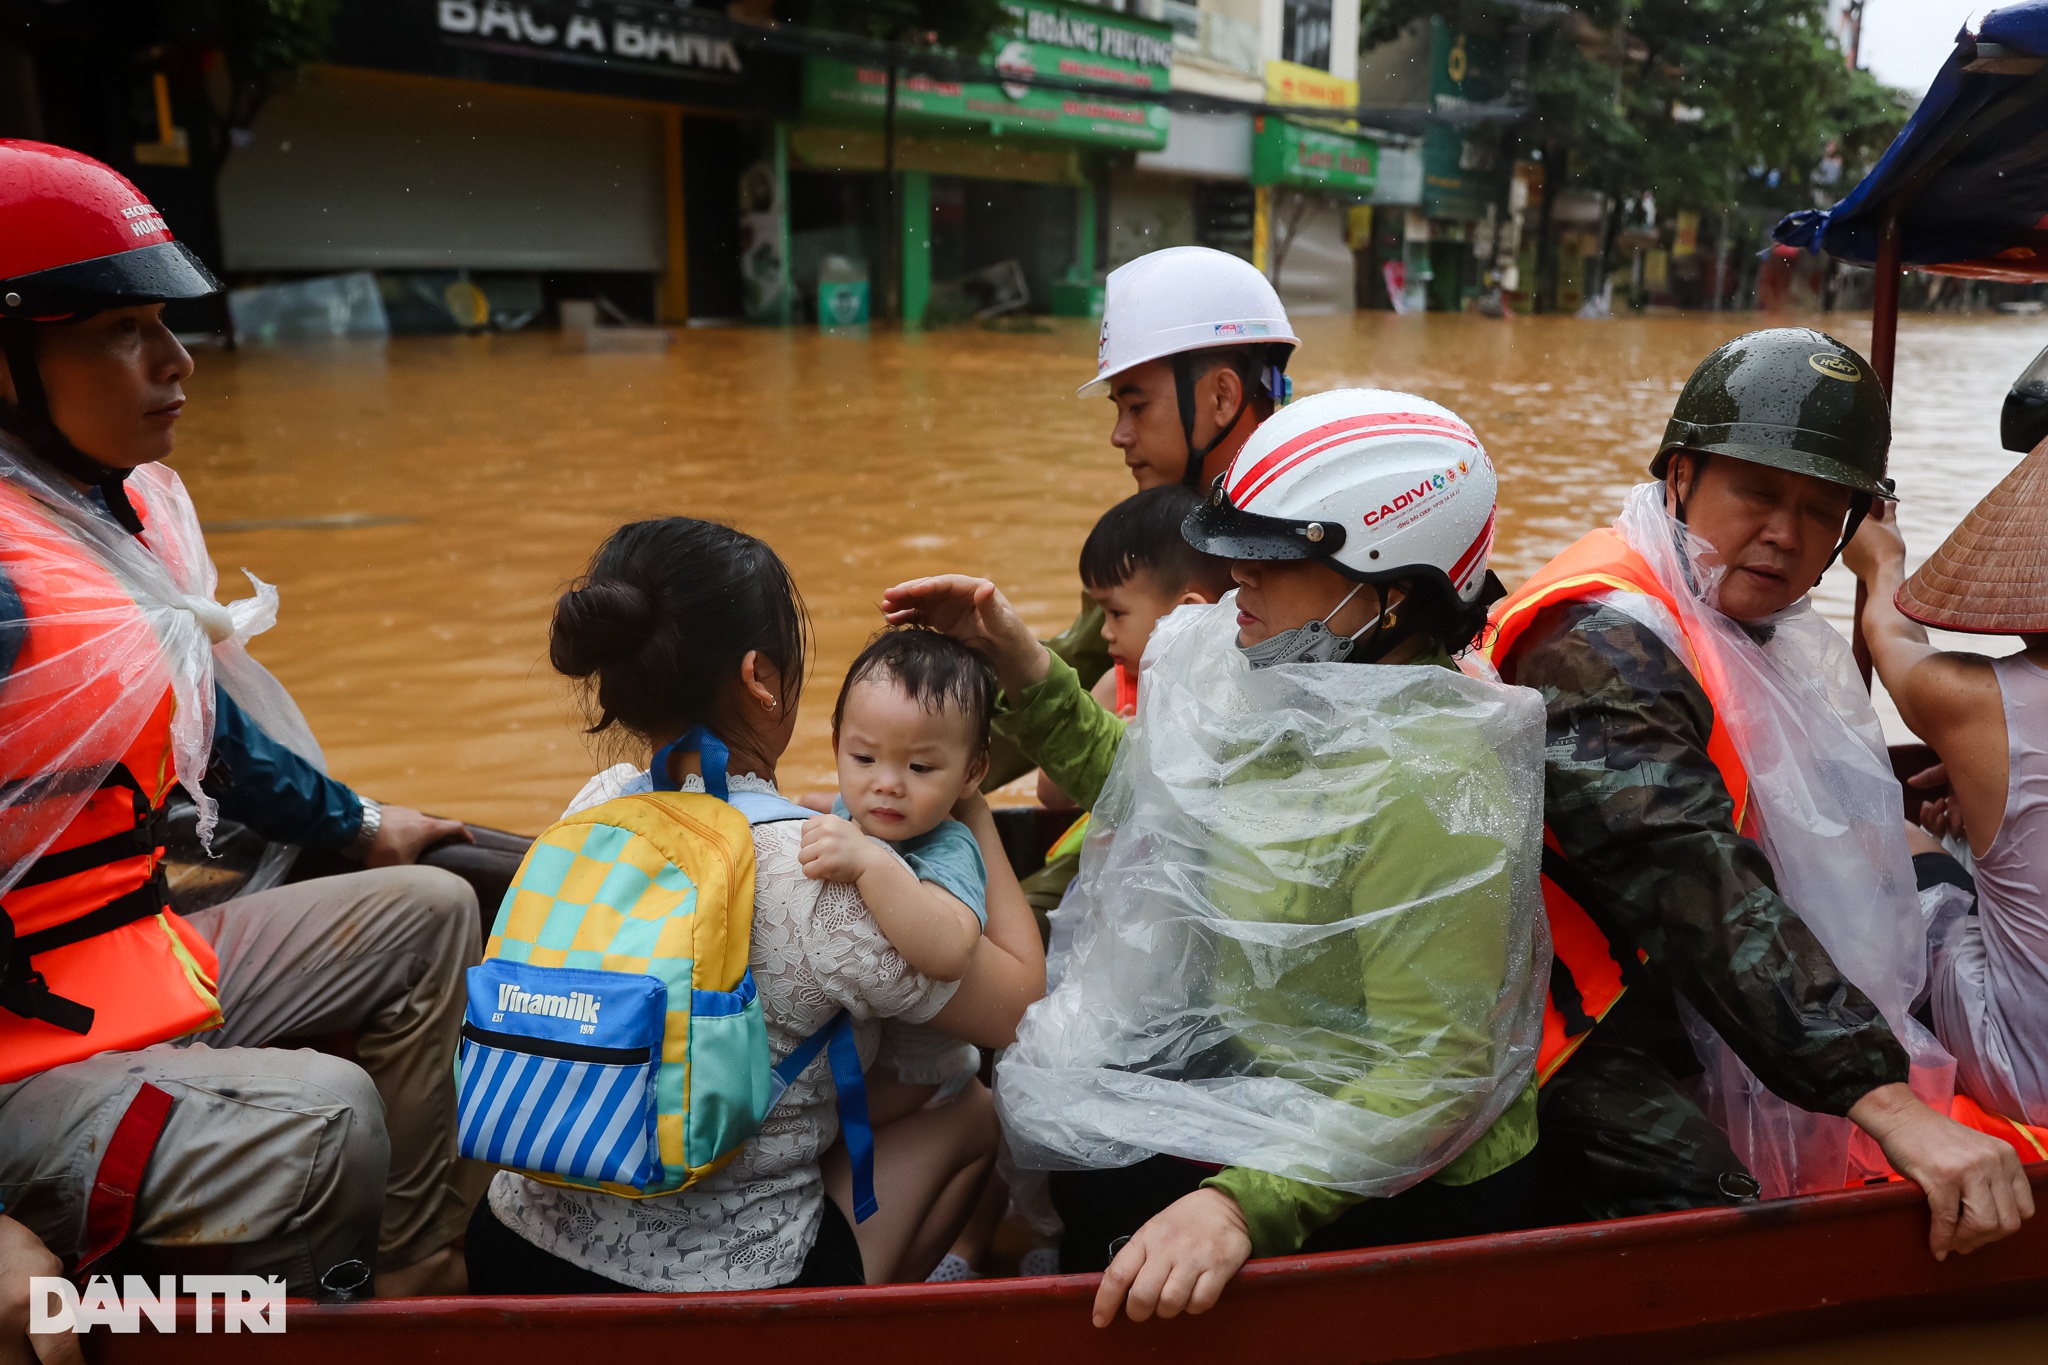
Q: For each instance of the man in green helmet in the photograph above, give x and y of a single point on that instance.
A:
(1712, 801)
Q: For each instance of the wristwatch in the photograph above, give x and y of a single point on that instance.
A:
(366, 833)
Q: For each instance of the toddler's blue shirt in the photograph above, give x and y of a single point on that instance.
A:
(948, 856)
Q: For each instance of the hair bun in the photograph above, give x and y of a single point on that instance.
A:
(599, 624)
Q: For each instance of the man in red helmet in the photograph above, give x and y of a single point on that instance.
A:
(134, 1041)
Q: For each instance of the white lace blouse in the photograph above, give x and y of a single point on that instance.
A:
(816, 950)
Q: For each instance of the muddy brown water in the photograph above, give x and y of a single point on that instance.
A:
(420, 503)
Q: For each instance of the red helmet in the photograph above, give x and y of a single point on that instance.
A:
(76, 237)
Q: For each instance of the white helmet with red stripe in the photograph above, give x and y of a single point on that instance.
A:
(1377, 484)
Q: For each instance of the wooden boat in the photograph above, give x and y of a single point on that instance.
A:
(1666, 1287)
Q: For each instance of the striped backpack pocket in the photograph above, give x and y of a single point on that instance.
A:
(613, 1038)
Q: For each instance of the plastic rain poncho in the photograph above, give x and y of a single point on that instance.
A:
(1825, 809)
(1308, 925)
(70, 715)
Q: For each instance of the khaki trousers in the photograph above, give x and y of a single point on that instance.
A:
(296, 1159)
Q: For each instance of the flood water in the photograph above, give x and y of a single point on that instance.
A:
(420, 503)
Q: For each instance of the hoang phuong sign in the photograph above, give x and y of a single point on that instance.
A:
(1071, 42)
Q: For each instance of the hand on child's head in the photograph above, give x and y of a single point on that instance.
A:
(903, 764)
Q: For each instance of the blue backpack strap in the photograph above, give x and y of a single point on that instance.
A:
(766, 808)
(836, 1041)
(712, 754)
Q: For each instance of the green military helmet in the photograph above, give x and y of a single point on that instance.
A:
(1792, 398)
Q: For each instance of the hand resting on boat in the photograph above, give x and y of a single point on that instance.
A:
(1974, 1183)
(1178, 1262)
(406, 833)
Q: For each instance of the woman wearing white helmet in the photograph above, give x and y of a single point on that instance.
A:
(1193, 352)
(1310, 949)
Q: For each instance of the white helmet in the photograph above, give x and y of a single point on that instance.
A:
(1379, 485)
(1181, 299)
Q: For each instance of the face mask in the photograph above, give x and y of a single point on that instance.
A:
(1314, 643)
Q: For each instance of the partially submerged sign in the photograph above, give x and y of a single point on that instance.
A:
(1073, 42)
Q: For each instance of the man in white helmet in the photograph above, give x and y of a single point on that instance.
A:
(1272, 786)
(1193, 353)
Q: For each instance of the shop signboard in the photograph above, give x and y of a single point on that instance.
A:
(1289, 153)
(636, 48)
(1307, 87)
(1460, 161)
(1071, 42)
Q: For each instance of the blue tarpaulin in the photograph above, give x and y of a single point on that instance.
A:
(1968, 176)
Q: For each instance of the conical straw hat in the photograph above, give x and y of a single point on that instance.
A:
(1991, 575)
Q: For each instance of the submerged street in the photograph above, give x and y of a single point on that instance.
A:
(420, 503)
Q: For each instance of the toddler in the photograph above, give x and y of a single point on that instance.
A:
(910, 734)
(1138, 568)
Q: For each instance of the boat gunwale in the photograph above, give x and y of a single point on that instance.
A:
(1669, 1286)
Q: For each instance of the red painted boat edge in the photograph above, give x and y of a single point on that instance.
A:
(1666, 1287)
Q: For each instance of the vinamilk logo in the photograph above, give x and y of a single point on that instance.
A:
(248, 1303)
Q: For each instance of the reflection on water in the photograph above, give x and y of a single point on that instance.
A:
(421, 503)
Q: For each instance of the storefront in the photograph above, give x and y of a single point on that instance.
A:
(1463, 170)
(1196, 191)
(1308, 179)
(997, 184)
(545, 139)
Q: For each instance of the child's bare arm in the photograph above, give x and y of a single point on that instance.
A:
(933, 929)
(1008, 970)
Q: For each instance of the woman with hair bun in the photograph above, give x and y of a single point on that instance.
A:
(681, 623)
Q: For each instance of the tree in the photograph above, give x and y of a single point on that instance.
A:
(1705, 105)
(264, 45)
(1702, 103)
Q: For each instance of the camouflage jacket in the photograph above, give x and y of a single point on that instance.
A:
(1640, 811)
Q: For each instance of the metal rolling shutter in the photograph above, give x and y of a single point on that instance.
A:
(348, 171)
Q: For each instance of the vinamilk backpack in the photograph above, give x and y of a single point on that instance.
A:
(613, 1039)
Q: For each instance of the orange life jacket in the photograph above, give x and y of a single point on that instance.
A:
(2026, 1139)
(1593, 965)
(1126, 692)
(99, 962)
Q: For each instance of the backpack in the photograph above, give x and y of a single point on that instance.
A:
(613, 1038)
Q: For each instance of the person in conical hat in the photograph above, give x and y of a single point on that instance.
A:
(1987, 720)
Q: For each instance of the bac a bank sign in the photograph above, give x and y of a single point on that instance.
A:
(631, 48)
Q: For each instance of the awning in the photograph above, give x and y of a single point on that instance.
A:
(1968, 176)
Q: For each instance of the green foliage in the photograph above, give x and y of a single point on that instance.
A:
(264, 44)
(1695, 101)
(965, 26)
(267, 42)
